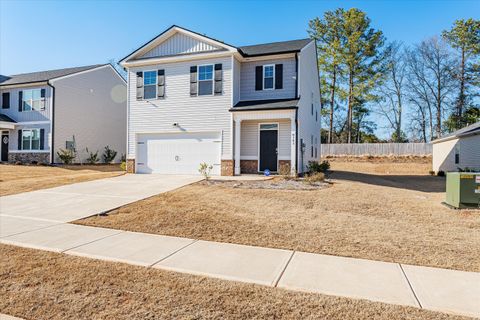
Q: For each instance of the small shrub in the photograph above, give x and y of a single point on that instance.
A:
(18, 163)
(205, 170)
(66, 155)
(314, 166)
(92, 157)
(123, 166)
(441, 173)
(123, 158)
(109, 155)
(34, 162)
(431, 172)
(314, 178)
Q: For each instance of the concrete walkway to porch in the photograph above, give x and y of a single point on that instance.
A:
(45, 226)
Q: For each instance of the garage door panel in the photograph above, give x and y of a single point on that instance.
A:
(178, 153)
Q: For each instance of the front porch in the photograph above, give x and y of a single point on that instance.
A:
(264, 140)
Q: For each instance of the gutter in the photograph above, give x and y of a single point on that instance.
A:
(52, 124)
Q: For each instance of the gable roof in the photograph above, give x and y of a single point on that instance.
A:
(468, 130)
(42, 76)
(246, 51)
(5, 118)
(274, 47)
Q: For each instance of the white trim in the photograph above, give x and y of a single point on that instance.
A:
(169, 33)
(277, 56)
(156, 85)
(78, 73)
(258, 140)
(23, 85)
(29, 151)
(7, 125)
(25, 123)
(198, 79)
(181, 58)
(263, 77)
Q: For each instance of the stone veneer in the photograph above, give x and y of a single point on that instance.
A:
(227, 168)
(29, 157)
(130, 165)
(248, 166)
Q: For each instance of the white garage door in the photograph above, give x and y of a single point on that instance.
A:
(179, 153)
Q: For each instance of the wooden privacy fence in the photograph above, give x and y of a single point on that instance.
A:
(376, 149)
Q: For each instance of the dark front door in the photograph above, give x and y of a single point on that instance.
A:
(268, 150)
(4, 146)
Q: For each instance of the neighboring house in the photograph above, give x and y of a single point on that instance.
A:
(457, 150)
(194, 99)
(75, 108)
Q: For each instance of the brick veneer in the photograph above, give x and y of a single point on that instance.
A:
(282, 164)
(29, 157)
(130, 165)
(227, 168)
(248, 166)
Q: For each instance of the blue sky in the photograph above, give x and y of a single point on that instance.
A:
(41, 35)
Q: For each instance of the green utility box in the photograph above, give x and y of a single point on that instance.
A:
(463, 189)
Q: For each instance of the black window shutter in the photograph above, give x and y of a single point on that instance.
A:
(42, 95)
(161, 83)
(20, 95)
(279, 76)
(258, 77)
(139, 85)
(19, 146)
(6, 100)
(218, 79)
(193, 81)
(42, 139)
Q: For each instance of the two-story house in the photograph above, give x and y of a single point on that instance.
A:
(194, 99)
(73, 108)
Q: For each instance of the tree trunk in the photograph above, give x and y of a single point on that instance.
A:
(350, 107)
(439, 109)
(332, 104)
(430, 119)
(461, 98)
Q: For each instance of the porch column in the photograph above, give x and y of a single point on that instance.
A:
(293, 147)
(238, 126)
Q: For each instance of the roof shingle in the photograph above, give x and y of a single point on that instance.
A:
(42, 76)
(274, 47)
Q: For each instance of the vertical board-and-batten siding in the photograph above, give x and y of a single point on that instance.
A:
(193, 114)
(309, 86)
(250, 135)
(179, 44)
(92, 107)
(247, 81)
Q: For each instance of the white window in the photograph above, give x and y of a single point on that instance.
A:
(149, 85)
(31, 139)
(205, 80)
(268, 77)
(32, 100)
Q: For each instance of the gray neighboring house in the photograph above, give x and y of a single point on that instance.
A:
(194, 99)
(80, 108)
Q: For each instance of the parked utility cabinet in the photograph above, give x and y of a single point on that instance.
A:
(463, 189)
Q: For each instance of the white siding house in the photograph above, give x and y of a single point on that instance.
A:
(458, 150)
(194, 99)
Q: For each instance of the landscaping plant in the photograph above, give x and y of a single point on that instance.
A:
(66, 155)
(92, 157)
(109, 155)
(314, 166)
(314, 178)
(205, 170)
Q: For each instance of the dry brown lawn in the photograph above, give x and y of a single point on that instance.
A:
(22, 178)
(390, 217)
(43, 285)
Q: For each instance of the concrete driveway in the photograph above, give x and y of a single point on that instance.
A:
(38, 209)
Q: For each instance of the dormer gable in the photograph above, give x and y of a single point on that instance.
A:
(177, 41)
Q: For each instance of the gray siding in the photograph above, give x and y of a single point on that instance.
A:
(34, 115)
(250, 134)
(92, 107)
(470, 152)
(13, 136)
(247, 81)
(309, 91)
(179, 44)
(193, 114)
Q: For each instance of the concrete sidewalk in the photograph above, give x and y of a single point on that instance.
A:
(436, 289)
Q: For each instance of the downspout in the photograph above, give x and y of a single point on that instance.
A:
(52, 124)
(296, 114)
